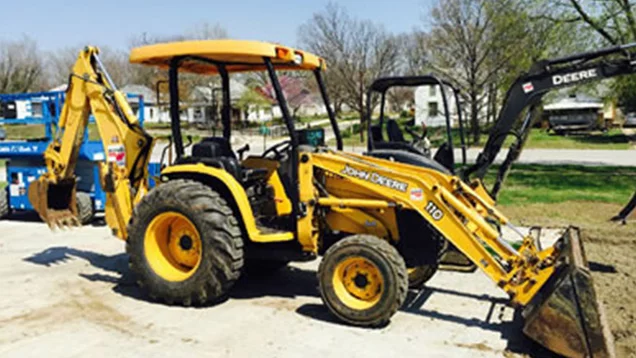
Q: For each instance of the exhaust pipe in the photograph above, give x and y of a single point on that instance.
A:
(55, 202)
(565, 316)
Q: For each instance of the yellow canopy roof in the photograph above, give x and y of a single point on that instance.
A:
(238, 55)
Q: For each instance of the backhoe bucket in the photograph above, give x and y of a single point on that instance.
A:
(565, 315)
(55, 202)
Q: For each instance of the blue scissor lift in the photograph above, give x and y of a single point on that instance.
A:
(24, 158)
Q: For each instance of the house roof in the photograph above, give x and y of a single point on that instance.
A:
(296, 93)
(148, 94)
(237, 89)
(136, 90)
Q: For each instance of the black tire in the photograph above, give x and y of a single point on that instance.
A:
(85, 211)
(389, 265)
(259, 267)
(418, 276)
(4, 204)
(221, 253)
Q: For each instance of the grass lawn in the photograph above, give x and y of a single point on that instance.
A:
(613, 139)
(545, 184)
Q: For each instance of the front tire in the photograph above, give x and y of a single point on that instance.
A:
(185, 244)
(363, 280)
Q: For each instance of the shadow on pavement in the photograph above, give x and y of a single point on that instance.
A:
(24, 216)
(288, 282)
(291, 282)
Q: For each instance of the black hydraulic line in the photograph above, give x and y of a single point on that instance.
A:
(332, 116)
(175, 120)
(282, 102)
(513, 152)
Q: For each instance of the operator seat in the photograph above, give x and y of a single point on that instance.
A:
(217, 152)
(396, 139)
(394, 132)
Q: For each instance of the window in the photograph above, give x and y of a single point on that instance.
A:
(432, 91)
(432, 109)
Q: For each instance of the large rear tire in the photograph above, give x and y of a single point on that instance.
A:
(4, 204)
(363, 280)
(185, 244)
(85, 211)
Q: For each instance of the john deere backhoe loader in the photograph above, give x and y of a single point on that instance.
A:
(213, 213)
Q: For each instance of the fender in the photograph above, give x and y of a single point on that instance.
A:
(220, 179)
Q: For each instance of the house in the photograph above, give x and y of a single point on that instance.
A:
(429, 106)
(300, 100)
(574, 112)
(246, 104)
(153, 112)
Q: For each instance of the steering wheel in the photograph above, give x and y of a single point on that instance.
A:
(420, 141)
(413, 134)
(280, 151)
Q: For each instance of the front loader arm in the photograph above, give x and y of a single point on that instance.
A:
(124, 175)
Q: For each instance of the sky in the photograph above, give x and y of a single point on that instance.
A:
(113, 23)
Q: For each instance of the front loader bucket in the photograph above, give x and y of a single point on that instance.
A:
(565, 315)
(55, 202)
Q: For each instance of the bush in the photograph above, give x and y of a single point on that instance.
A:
(346, 133)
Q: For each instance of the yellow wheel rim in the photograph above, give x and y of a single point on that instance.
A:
(358, 283)
(172, 245)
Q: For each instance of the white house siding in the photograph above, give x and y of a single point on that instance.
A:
(425, 98)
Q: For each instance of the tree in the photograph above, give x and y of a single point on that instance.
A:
(152, 76)
(294, 89)
(481, 46)
(613, 22)
(60, 64)
(252, 100)
(356, 51)
(21, 66)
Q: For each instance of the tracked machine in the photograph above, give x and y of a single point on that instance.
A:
(215, 213)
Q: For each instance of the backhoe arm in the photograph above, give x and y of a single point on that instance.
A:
(124, 175)
(529, 89)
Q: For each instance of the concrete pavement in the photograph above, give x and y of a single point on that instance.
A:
(70, 294)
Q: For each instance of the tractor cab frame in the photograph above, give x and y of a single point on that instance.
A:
(225, 57)
(395, 146)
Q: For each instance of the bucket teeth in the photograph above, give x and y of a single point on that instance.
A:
(55, 202)
(62, 219)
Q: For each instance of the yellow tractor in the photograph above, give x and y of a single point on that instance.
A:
(215, 213)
